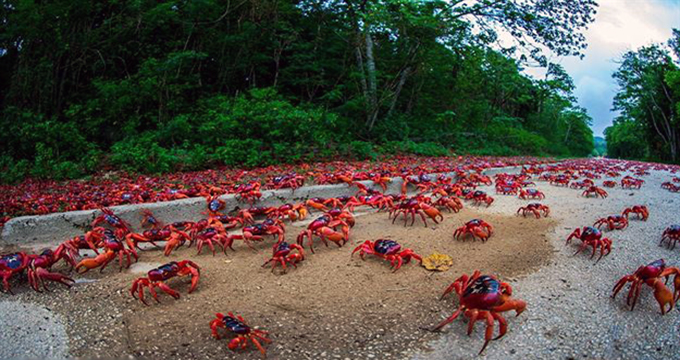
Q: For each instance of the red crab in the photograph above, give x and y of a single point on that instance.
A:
(292, 212)
(511, 188)
(591, 236)
(249, 192)
(483, 298)
(69, 250)
(237, 325)
(258, 231)
(39, 269)
(595, 190)
(215, 205)
(211, 236)
(582, 184)
(36, 266)
(122, 227)
(653, 275)
(480, 179)
(248, 215)
(609, 183)
(325, 228)
(668, 185)
(226, 221)
(672, 234)
(480, 197)
(282, 254)
(388, 250)
(150, 221)
(423, 182)
(477, 228)
(450, 203)
(629, 182)
(639, 210)
(560, 180)
(113, 247)
(156, 277)
(378, 201)
(381, 180)
(536, 209)
(531, 194)
(317, 203)
(415, 206)
(613, 222)
(339, 214)
(292, 181)
(174, 238)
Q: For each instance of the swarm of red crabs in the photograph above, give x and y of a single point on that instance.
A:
(37, 197)
(421, 195)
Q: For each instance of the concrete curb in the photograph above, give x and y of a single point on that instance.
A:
(52, 229)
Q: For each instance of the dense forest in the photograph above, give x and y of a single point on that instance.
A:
(153, 86)
(648, 99)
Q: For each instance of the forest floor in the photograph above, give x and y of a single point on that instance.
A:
(337, 306)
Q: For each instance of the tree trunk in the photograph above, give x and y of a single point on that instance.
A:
(372, 80)
(400, 85)
(566, 136)
(362, 73)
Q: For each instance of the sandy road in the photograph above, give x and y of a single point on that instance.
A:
(570, 310)
(570, 313)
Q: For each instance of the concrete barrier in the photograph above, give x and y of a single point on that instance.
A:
(48, 230)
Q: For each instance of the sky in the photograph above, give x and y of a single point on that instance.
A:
(619, 26)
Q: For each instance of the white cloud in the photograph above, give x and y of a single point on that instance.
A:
(619, 26)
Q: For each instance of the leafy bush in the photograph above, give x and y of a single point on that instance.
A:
(247, 152)
(142, 154)
(12, 171)
(625, 140)
(360, 150)
(410, 147)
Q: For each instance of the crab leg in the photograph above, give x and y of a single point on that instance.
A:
(473, 315)
(423, 217)
(39, 274)
(638, 287)
(478, 232)
(619, 285)
(399, 261)
(581, 248)
(489, 330)
(449, 319)
(152, 291)
(167, 289)
(210, 245)
(503, 325)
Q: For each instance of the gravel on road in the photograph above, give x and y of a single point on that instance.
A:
(31, 332)
(570, 312)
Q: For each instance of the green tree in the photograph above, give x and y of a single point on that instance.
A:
(649, 94)
(135, 85)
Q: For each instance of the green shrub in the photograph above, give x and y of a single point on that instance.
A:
(12, 171)
(410, 147)
(247, 153)
(142, 154)
(360, 150)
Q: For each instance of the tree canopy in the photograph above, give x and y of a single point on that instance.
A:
(649, 103)
(160, 86)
